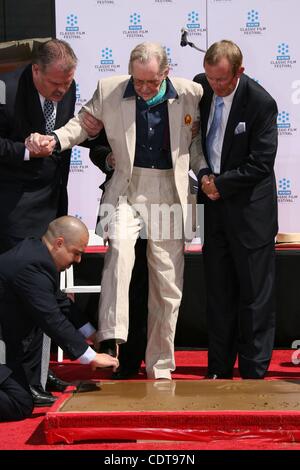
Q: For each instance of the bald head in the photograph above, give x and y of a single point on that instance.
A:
(68, 227)
(66, 239)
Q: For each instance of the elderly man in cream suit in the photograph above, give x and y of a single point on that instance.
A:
(148, 120)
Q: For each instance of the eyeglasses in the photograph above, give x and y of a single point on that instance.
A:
(151, 83)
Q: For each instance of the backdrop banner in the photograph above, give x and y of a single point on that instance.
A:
(103, 32)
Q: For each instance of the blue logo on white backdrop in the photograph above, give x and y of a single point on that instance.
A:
(193, 24)
(285, 192)
(284, 187)
(80, 100)
(77, 165)
(252, 19)
(283, 120)
(283, 57)
(193, 20)
(77, 92)
(171, 61)
(71, 30)
(106, 56)
(107, 62)
(72, 23)
(135, 27)
(76, 157)
(168, 53)
(283, 51)
(284, 124)
(135, 22)
(252, 25)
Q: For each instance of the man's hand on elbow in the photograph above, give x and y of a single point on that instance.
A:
(90, 124)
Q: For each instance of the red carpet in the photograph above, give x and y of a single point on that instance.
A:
(29, 434)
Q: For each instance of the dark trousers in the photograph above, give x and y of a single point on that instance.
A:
(15, 398)
(133, 351)
(240, 299)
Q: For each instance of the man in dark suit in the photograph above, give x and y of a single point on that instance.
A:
(131, 353)
(239, 192)
(33, 189)
(28, 287)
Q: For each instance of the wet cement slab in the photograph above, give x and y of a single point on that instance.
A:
(184, 395)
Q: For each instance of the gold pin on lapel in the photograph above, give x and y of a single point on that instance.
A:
(187, 119)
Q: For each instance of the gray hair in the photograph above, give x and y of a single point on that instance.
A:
(53, 51)
(145, 51)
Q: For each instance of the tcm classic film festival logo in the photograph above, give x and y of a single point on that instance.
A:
(193, 24)
(135, 27)
(173, 64)
(107, 62)
(285, 193)
(80, 100)
(72, 30)
(77, 165)
(253, 24)
(283, 57)
(284, 125)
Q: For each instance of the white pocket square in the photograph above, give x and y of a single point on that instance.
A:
(240, 128)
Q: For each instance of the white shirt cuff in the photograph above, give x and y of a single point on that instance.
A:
(26, 154)
(87, 330)
(88, 356)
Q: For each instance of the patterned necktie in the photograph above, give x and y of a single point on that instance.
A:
(213, 134)
(49, 116)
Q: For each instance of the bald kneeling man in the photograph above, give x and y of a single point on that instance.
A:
(28, 285)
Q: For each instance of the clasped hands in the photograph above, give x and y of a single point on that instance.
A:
(209, 188)
(43, 145)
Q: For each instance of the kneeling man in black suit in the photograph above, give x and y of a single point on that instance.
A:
(28, 287)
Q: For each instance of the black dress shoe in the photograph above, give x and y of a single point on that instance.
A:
(123, 373)
(217, 376)
(54, 383)
(109, 346)
(41, 397)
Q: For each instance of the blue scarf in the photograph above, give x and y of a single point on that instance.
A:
(160, 95)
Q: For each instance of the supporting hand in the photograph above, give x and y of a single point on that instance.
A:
(40, 145)
(90, 124)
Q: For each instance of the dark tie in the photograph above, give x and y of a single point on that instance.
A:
(49, 116)
(213, 133)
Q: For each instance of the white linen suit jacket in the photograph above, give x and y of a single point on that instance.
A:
(118, 115)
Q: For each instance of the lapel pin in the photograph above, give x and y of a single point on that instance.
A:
(187, 119)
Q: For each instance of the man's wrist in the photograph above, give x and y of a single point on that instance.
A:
(57, 142)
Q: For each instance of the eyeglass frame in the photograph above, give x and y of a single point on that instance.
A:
(152, 83)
